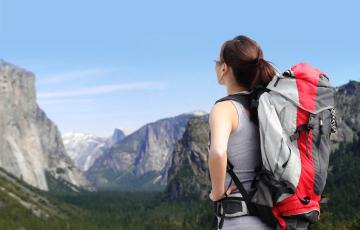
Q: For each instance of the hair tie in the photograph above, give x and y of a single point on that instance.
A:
(260, 57)
(257, 60)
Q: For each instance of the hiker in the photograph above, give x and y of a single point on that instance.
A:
(269, 141)
(240, 67)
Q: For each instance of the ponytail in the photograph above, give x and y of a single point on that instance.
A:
(264, 74)
(245, 57)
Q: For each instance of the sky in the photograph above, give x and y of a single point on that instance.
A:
(101, 65)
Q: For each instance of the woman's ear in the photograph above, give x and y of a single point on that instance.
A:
(224, 68)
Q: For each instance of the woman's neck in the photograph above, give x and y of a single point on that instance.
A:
(236, 89)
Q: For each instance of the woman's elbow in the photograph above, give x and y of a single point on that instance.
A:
(217, 153)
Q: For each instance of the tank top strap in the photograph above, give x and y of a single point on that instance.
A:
(243, 117)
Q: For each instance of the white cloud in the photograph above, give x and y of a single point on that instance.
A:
(101, 89)
(64, 101)
(62, 77)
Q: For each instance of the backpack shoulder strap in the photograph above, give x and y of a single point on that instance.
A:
(244, 193)
(244, 99)
(249, 101)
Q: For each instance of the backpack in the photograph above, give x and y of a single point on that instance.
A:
(295, 115)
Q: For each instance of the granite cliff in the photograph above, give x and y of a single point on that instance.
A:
(31, 146)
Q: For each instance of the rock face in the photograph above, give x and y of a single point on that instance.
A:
(141, 159)
(347, 104)
(188, 172)
(84, 149)
(117, 136)
(30, 143)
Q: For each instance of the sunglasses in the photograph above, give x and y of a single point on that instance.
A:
(218, 62)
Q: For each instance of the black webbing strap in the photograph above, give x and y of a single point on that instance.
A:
(244, 99)
(221, 223)
(248, 100)
(296, 134)
(245, 196)
(304, 127)
(244, 193)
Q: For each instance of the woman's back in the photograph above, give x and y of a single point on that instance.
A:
(240, 67)
(244, 153)
(243, 149)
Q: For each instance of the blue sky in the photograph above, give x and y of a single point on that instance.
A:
(101, 65)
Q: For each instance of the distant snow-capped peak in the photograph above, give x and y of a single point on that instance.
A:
(199, 112)
(84, 148)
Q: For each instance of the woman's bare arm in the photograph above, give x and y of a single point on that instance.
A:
(220, 120)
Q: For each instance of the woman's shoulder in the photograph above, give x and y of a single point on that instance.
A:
(224, 111)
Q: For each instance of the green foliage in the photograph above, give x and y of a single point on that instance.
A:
(140, 210)
(110, 210)
(342, 189)
(56, 187)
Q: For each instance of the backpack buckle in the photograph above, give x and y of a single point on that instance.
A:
(295, 136)
(304, 127)
(231, 206)
(289, 73)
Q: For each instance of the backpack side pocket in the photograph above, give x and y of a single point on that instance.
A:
(321, 149)
(279, 155)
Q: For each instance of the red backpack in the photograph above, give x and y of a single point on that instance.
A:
(295, 115)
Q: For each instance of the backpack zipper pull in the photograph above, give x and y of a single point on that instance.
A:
(321, 126)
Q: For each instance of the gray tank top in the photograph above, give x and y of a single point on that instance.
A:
(243, 148)
(244, 153)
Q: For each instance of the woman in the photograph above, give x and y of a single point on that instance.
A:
(240, 67)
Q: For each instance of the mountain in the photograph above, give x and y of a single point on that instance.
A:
(31, 146)
(141, 159)
(188, 172)
(144, 159)
(84, 149)
(117, 136)
(347, 99)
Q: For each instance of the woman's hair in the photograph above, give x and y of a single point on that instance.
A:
(246, 59)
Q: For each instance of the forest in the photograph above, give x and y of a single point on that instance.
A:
(110, 210)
